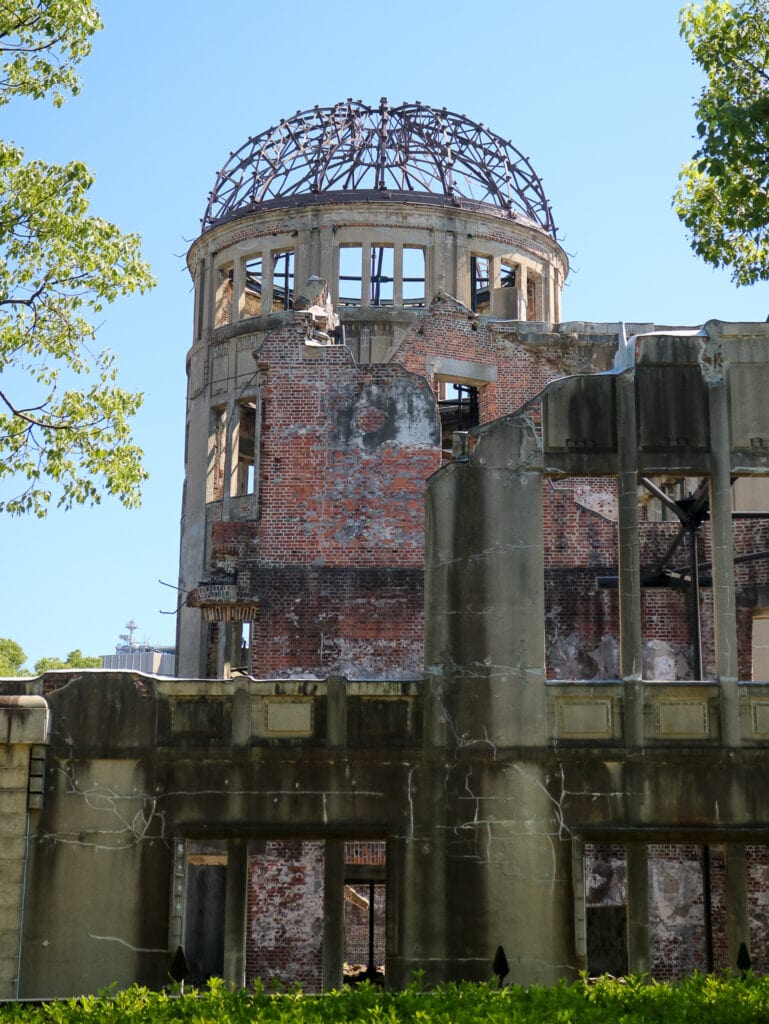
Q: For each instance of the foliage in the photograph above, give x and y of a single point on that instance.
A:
(59, 266)
(723, 198)
(41, 43)
(12, 657)
(701, 999)
(75, 659)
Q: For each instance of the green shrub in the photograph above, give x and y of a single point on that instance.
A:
(697, 1000)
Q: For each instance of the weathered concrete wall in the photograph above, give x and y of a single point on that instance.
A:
(480, 825)
(24, 726)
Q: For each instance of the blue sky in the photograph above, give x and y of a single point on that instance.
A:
(598, 95)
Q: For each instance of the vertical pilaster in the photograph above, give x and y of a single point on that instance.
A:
(638, 952)
(462, 263)
(336, 712)
(333, 916)
(737, 915)
(329, 263)
(365, 298)
(630, 638)
(724, 603)
(267, 267)
(235, 912)
(521, 280)
(398, 275)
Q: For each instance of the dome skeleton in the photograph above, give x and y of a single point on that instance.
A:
(412, 150)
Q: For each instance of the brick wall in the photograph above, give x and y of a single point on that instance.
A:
(284, 937)
(335, 560)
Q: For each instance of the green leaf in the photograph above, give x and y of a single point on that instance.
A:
(723, 199)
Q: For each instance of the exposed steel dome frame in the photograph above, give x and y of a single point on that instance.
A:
(378, 152)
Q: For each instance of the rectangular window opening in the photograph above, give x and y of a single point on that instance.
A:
(480, 295)
(283, 280)
(223, 311)
(606, 909)
(350, 275)
(413, 277)
(252, 296)
(507, 274)
(459, 408)
(382, 271)
(206, 876)
(365, 901)
(245, 480)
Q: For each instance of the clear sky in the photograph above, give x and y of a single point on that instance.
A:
(597, 94)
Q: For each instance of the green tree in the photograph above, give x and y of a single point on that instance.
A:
(12, 657)
(59, 266)
(75, 659)
(723, 197)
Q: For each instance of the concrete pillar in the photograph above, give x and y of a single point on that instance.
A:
(422, 893)
(442, 265)
(557, 288)
(365, 298)
(302, 271)
(580, 902)
(724, 604)
(521, 280)
(223, 645)
(638, 951)
(630, 637)
(313, 254)
(235, 913)
(333, 914)
(336, 712)
(267, 267)
(737, 915)
(209, 293)
(398, 275)
(547, 293)
(462, 262)
(485, 691)
(484, 587)
(328, 267)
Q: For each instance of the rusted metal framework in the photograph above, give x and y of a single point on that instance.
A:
(383, 151)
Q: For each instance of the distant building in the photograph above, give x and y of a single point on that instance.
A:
(133, 656)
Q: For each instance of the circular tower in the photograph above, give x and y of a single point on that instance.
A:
(380, 209)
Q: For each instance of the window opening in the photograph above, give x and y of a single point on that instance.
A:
(507, 274)
(382, 270)
(245, 482)
(216, 451)
(459, 410)
(532, 313)
(204, 909)
(606, 908)
(479, 284)
(223, 314)
(365, 902)
(252, 298)
(241, 647)
(283, 280)
(413, 277)
(350, 276)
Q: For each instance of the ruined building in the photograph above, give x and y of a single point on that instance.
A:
(471, 646)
